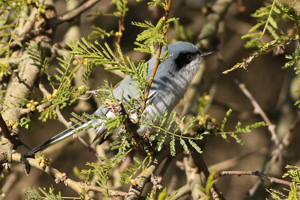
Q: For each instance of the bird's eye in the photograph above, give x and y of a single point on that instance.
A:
(190, 57)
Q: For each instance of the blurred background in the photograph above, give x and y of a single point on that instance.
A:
(269, 84)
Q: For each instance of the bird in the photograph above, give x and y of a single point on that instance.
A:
(172, 78)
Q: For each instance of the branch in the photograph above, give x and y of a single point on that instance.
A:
(27, 37)
(259, 110)
(271, 128)
(181, 192)
(76, 12)
(52, 23)
(61, 118)
(140, 181)
(21, 84)
(20, 87)
(255, 173)
(62, 177)
(112, 193)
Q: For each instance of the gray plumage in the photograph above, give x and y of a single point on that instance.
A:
(169, 85)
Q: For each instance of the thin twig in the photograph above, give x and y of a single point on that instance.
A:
(9, 183)
(42, 107)
(62, 119)
(259, 110)
(167, 9)
(271, 127)
(43, 90)
(255, 173)
(234, 161)
(76, 12)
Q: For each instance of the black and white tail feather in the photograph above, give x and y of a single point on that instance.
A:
(62, 135)
(169, 85)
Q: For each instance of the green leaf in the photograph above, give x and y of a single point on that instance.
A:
(161, 141)
(228, 113)
(172, 146)
(184, 145)
(195, 146)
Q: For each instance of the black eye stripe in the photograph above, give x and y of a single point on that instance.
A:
(185, 58)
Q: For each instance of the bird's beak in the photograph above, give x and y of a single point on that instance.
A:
(206, 53)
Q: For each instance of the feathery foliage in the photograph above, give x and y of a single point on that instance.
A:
(293, 173)
(238, 128)
(64, 93)
(120, 13)
(168, 126)
(128, 173)
(106, 57)
(268, 17)
(293, 191)
(152, 35)
(293, 59)
(33, 193)
(7, 28)
(101, 170)
(267, 35)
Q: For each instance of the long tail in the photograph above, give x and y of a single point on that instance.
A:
(66, 133)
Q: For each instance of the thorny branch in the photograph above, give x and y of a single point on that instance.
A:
(62, 177)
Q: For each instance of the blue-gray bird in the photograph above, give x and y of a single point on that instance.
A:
(169, 85)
